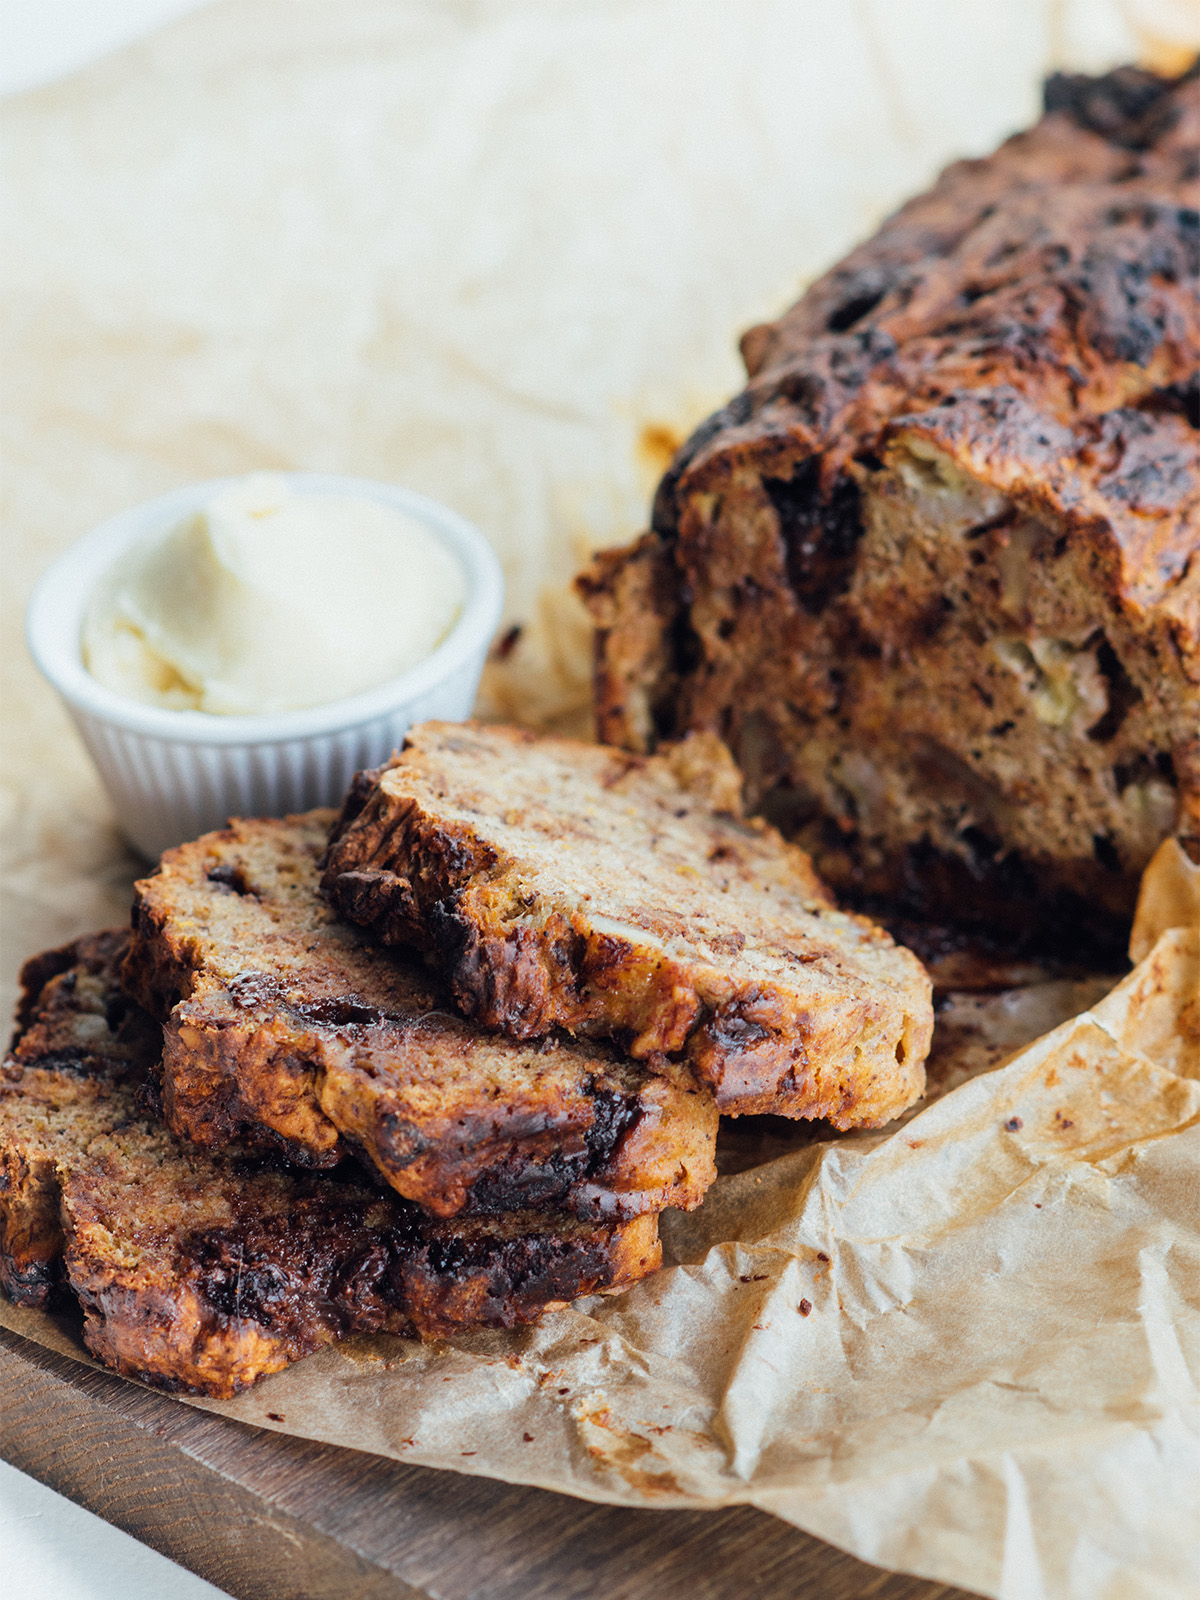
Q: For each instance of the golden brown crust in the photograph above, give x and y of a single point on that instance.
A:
(947, 540)
(570, 885)
(202, 1272)
(79, 1051)
(285, 1027)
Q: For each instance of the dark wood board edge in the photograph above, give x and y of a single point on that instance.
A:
(63, 1428)
(266, 1516)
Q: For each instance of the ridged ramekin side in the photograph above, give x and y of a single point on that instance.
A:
(167, 792)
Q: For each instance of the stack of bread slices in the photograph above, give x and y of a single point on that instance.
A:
(433, 1065)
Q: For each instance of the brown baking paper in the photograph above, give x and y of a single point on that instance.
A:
(967, 1347)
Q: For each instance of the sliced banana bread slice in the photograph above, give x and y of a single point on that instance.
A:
(576, 886)
(203, 1272)
(286, 1028)
(80, 1053)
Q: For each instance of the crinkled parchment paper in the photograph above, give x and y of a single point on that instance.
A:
(499, 252)
(967, 1347)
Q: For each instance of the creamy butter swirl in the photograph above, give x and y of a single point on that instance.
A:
(270, 600)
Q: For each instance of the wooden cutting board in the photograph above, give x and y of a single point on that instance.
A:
(267, 1517)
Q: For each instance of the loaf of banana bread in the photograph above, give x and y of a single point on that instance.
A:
(285, 1028)
(204, 1271)
(934, 574)
(571, 885)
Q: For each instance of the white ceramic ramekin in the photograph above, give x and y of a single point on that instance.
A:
(175, 774)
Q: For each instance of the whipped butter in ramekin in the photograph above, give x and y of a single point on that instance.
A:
(267, 599)
(254, 642)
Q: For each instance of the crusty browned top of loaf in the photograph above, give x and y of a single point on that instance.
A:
(285, 1026)
(1061, 270)
(203, 1272)
(935, 573)
(572, 885)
